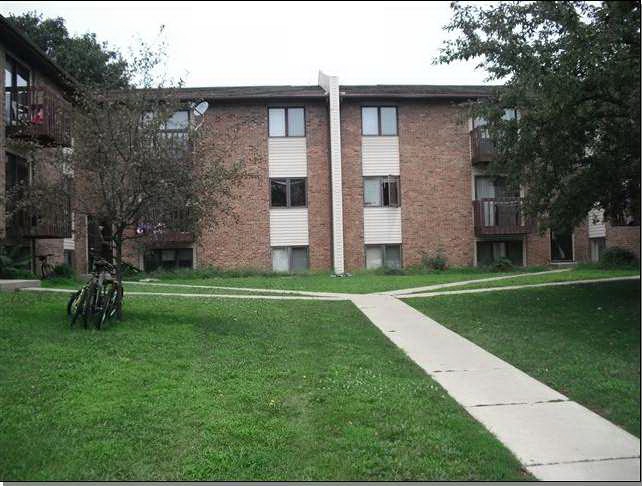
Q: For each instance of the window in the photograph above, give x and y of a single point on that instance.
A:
(178, 122)
(290, 259)
(388, 256)
(16, 95)
(168, 258)
(379, 120)
(288, 193)
(381, 191)
(68, 256)
(491, 251)
(16, 171)
(286, 122)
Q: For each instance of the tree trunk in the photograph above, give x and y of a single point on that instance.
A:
(118, 242)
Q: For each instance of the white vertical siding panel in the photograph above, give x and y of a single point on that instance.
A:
(287, 157)
(381, 225)
(289, 227)
(380, 156)
(596, 227)
(331, 85)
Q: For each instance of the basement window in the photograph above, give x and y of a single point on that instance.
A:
(290, 259)
(378, 256)
(168, 258)
(286, 122)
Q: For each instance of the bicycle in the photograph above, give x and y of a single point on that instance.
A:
(46, 268)
(99, 300)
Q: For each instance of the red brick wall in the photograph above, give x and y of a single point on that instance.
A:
(319, 189)
(244, 241)
(625, 237)
(352, 180)
(582, 247)
(436, 171)
(538, 249)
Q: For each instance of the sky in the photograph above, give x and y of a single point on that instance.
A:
(267, 43)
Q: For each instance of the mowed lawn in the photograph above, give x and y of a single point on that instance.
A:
(224, 389)
(359, 282)
(583, 341)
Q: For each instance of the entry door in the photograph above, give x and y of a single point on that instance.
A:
(562, 246)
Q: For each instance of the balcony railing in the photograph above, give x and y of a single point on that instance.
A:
(39, 114)
(503, 216)
(172, 230)
(31, 224)
(482, 147)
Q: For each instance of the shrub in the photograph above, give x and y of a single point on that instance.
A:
(501, 265)
(63, 270)
(435, 262)
(617, 257)
(13, 265)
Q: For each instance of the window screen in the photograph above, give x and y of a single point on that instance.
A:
(296, 122)
(392, 256)
(276, 121)
(370, 120)
(280, 260)
(374, 257)
(388, 120)
(372, 191)
(297, 192)
(299, 259)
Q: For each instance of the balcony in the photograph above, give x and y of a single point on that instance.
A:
(29, 224)
(499, 217)
(482, 147)
(38, 114)
(174, 231)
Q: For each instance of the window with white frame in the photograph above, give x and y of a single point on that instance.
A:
(381, 191)
(286, 122)
(290, 259)
(379, 120)
(379, 256)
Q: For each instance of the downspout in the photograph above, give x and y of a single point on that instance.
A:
(331, 85)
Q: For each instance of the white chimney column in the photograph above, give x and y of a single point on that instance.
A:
(331, 85)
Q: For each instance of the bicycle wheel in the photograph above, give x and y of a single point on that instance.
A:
(89, 308)
(110, 308)
(72, 303)
(76, 305)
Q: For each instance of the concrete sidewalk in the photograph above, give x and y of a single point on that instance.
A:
(555, 438)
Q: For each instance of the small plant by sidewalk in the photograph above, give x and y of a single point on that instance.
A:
(438, 261)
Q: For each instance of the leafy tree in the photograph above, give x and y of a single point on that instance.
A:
(86, 59)
(572, 69)
(135, 164)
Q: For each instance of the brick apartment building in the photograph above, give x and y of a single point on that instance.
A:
(347, 178)
(36, 122)
(354, 177)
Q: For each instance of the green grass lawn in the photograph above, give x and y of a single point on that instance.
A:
(583, 341)
(359, 282)
(581, 272)
(238, 390)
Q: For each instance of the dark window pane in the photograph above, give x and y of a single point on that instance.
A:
(278, 189)
(276, 121)
(370, 120)
(299, 259)
(185, 257)
(390, 189)
(297, 192)
(389, 120)
(296, 122)
(386, 193)
(393, 256)
(484, 253)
